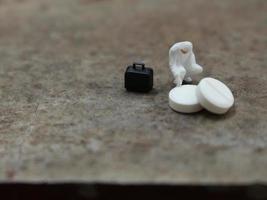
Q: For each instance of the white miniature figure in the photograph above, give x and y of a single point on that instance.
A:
(182, 62)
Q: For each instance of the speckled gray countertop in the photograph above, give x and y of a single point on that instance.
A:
(64, 113)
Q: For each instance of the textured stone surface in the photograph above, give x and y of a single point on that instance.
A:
(65, 116)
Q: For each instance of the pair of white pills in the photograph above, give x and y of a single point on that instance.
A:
(210, 94)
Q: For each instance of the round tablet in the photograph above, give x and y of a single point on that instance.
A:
(214, 95)
(183, 99)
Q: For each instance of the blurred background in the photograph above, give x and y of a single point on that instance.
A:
(68, 128)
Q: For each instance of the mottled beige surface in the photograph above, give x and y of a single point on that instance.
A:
(65, 116)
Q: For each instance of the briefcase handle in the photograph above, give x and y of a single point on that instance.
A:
(138, 64)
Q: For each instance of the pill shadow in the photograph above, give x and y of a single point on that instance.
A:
(209, 115)
(231, 113)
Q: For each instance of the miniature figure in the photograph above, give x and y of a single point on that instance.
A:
(182, 62)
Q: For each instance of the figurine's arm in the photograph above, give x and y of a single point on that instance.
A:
(173, 55)
(196, 68)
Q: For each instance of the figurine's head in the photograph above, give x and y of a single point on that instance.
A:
(180, 53)
(185, 48)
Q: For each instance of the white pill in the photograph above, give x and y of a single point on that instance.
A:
(214, 95)
(184, 99)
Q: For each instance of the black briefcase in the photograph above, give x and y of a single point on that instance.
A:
(138, 78)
